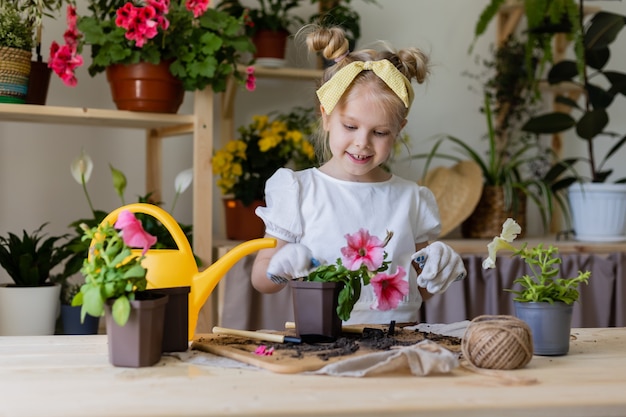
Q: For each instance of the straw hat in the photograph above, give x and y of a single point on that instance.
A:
(457, 190)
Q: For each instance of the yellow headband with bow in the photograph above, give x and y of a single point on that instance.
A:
(330, 93)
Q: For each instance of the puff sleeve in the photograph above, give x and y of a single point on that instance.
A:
(281, 214)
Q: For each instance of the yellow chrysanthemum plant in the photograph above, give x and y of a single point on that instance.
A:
(270, 142)
(543, 284)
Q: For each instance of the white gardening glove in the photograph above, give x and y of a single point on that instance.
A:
(292, 261)
(440, 266)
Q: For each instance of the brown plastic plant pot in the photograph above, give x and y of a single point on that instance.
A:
(138, 343)
(315, 308)
(176, 321)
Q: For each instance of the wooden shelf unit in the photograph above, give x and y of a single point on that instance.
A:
(158, 127)
(227, 109)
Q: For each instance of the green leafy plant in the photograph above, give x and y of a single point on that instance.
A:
(544, 19)
(16, 31)
(30, 259)
(275, 15)
(81, 168)
(111, 270)
(34, 11)
(245, 164)
(504, 167)
(544, 283)
(599, 33)
(203, 44)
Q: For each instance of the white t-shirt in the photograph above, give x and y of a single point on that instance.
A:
(316, 210)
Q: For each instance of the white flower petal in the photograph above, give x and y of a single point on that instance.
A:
(488, 263)
(510, 230)
(81, 167)
(183, 180)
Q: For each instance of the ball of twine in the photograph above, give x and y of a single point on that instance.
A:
(497, 342)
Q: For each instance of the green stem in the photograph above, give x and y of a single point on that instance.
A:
(82, 178)
(174, 202)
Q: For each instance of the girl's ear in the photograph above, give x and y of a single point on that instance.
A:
(324, 118)
(403, 124)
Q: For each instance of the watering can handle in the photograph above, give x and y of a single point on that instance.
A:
(161, 215)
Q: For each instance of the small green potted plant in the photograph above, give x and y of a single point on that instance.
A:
(327, 295)
(16, 41)
(115, 286)
(244, 165)
(268, 25)
(29, 305)
(81, 169)
(544, 300)
(600, 87)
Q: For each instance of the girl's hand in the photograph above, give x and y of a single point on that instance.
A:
(292, 261)
(440, 266)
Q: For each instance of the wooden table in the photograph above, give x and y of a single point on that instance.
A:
(70, 376)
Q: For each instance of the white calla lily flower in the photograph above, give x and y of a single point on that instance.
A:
(181, 183)
(81, 168)
(183, 180)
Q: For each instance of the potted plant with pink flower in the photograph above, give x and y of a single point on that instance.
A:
(199, 45)
(115, 286)
(363, 261)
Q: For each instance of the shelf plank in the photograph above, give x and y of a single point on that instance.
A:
(174, 123)
(286, 73)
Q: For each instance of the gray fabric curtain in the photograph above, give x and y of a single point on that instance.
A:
(602, 303)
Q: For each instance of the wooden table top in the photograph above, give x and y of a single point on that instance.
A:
(70, 376)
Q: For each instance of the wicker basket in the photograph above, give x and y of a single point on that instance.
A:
(491, 212)
(14, 73)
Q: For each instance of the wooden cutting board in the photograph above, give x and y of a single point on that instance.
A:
(289, 358)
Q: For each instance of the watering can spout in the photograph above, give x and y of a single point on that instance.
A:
(205, 282)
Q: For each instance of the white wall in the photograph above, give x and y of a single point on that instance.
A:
(35, 181)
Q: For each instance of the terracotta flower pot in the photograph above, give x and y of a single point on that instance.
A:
(271, 47)
(241, 221)
(145, 87)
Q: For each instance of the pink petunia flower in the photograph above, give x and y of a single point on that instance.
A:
(133, 233)
(389, 289)
(263, 350)
(363, 249)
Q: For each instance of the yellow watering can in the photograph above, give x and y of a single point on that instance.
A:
(177, 267)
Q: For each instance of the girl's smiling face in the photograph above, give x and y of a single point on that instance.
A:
(361, 137)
